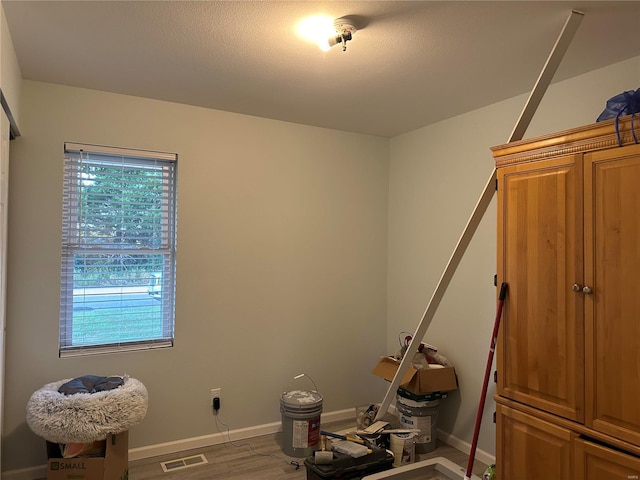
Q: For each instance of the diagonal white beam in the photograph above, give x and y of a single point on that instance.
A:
(557, 53)
(540, 87)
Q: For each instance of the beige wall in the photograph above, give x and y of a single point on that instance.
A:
(10, 76)
(281, 263)
(436, 176)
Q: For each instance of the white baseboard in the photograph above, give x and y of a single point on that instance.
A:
(140, 453)
(177, 446)
(465, 447)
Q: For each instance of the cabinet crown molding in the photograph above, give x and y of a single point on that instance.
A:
(592, 137)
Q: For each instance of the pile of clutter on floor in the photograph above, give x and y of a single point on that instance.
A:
(381, 440)
(378, 445)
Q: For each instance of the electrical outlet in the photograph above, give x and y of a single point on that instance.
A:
(215, 392)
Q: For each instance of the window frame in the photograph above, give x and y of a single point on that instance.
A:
(75, 244)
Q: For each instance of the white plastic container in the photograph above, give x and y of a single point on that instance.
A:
(420, 415)
(403, 448)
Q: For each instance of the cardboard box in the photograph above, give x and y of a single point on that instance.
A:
(418, 381)
(113, 466)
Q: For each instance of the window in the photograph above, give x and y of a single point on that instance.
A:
(118, 250)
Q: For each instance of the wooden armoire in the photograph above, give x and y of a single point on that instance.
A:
(568, 355)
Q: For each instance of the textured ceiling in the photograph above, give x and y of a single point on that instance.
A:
(409, 64)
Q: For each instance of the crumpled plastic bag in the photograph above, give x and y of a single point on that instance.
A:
(490, 473)
(625, 103)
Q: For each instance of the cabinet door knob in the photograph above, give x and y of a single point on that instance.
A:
(576, 287)
(586, 289)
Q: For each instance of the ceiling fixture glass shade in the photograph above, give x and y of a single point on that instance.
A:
(326, 32)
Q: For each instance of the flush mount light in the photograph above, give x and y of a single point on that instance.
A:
(344, 32)
(326, 32)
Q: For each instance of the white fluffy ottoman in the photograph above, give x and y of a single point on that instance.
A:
(86, 417)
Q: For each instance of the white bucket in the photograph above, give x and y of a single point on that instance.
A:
(403, 448)
(300, 422)
(422, 416)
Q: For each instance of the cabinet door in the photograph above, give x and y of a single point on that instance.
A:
(612, 309)
(529, 448)
(596, 462)
(541, 344)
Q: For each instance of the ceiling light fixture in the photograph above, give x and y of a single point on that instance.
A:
(326, 32)
(344, 30)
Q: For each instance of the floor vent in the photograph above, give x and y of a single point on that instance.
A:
(184, 462)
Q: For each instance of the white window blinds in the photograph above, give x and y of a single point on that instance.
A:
(118, 249)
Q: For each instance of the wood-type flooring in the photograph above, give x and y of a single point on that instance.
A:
(229, 462)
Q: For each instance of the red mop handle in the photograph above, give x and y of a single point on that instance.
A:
(487, 373)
